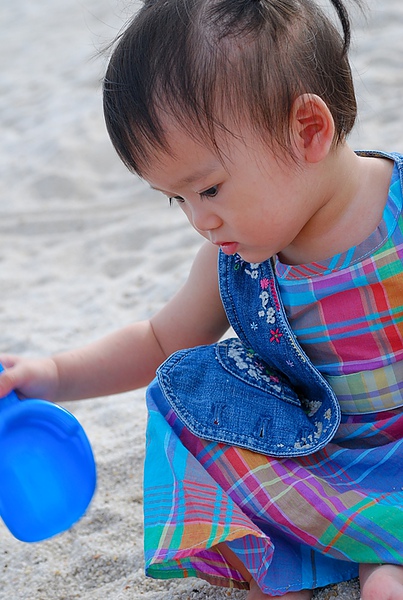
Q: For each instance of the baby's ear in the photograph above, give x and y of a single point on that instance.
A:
(312, 127)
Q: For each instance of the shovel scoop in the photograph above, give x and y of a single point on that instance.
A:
(47, 468)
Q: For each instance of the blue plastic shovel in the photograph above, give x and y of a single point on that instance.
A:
(47, 468)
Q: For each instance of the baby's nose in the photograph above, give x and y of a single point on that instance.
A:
(205, 220)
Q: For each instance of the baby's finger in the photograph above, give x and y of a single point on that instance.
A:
(8, 360)
(10, 379)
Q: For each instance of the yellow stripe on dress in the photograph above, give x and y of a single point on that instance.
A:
(369, 391)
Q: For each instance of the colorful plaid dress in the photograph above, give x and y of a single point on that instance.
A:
(307, 521)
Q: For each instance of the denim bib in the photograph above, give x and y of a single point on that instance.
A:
(258, 391)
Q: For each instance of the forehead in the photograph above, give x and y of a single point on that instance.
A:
(184, 157)
(187, 159)
(181, 134)
(187, 165)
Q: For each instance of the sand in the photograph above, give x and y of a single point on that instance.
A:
(86, 248)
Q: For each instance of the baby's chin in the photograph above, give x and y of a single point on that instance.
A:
(253, 256)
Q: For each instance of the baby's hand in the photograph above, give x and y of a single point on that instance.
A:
(30, 378)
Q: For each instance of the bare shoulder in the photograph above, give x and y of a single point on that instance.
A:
(195, 315)
(204, 268)
(373, 195)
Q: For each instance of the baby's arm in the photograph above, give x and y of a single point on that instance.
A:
(127, 359)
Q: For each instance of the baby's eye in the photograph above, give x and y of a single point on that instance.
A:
(177, 198)
(210, 193)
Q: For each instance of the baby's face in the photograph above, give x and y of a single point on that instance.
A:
(247, 201)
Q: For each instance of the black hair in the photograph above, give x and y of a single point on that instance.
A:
(213, 64)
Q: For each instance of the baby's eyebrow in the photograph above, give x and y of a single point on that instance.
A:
(194, 176)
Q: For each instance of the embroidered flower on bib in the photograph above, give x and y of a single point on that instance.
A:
(276, 335)
(253, 272)
(266, 310)
(238, 262)
(247, 360)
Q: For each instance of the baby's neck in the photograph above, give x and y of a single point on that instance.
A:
(354, 191)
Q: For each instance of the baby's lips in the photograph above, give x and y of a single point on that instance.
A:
(229, 248)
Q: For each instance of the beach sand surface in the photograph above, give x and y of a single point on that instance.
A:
(85, 248)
